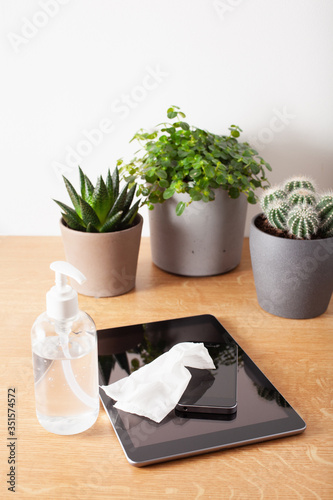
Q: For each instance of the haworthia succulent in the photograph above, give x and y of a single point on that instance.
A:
(100, 208)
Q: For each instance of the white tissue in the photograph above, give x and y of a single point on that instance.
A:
(155, 389)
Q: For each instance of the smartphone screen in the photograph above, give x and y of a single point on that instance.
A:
(213, 391)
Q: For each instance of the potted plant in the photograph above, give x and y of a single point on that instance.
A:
(180, 171)
(291, 245)
(102, 234)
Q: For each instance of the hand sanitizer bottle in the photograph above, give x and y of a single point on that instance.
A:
(64, 350)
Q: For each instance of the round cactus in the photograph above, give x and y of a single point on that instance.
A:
(299, 183)
(301, 197)
(271, 196)
(325, 212)
(277, 214)
(298, 209)
(303, 221)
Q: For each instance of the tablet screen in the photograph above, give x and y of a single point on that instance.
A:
(262, 412)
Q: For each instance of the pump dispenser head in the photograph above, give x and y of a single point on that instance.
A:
(62, 301)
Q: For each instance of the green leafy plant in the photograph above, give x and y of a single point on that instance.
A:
(103, 208)
(178, 158)
(296, 209)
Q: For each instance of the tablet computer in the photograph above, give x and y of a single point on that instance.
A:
(262, 412)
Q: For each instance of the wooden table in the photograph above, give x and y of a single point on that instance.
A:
(296, 355)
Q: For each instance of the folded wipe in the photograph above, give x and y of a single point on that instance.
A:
(155, 389)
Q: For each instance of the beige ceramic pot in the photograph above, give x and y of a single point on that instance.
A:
(108, 260)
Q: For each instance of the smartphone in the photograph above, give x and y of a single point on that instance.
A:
(213, 391)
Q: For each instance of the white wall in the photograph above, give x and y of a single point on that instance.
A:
(70, 67)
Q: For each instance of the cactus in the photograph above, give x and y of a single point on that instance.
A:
(301, 197)
(299, 183)
(298, 210)
(277, 214)
(272, 195)
(303, 221)
(325, 211)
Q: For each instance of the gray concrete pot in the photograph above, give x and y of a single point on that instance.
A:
(108, 260)
(205, 240)
(293, 278)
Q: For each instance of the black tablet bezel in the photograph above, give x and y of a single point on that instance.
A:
(203, 443)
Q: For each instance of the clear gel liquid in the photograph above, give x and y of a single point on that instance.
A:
(66, 384)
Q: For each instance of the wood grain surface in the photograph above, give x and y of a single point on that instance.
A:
(296, 355)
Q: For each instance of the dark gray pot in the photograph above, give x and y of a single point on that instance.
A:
(205, 240)
(293, 278)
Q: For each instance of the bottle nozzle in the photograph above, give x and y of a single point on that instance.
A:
(60, 281)
(62, 301)
(64, 269)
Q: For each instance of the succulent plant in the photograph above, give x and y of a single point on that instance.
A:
(301, 196)
(103, 208)
(299, 183)
(277, 214)
(297, 209)
(271, 196)
(325, 211)
(303, 221)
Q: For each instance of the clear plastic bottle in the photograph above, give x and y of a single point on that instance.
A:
(64, 350)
